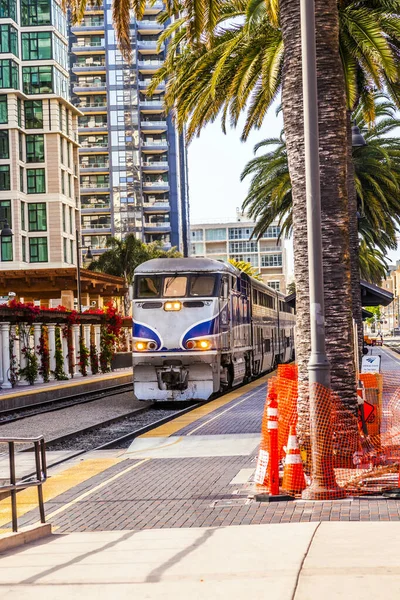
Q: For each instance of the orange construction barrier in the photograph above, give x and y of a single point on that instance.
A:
(294, 481)
(273, 465)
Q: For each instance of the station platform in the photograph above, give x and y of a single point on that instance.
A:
(21, 396)
(174, 500)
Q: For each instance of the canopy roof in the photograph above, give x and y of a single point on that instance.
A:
(371, 295)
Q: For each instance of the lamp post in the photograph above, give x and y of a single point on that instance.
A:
(88, 256)
(357, 138)
(323, 484)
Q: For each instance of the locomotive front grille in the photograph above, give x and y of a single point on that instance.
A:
(172, 376)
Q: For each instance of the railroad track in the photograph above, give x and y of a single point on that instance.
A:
(16, 414)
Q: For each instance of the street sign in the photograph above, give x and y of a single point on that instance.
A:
(371, 364)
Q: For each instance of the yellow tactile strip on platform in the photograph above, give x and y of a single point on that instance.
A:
(27, 500)
(191, 417)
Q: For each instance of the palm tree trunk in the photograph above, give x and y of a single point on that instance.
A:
(354, 241)
(334, 203)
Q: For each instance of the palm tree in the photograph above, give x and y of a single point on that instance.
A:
(246, 267)
(377, 184)
(123, 256)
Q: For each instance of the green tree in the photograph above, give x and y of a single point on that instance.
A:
(377, 184)
(123, 256)
(247, 268)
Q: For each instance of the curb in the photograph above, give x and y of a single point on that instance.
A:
(9, 541)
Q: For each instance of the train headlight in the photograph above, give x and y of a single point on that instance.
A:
(204, 344)
(140, 346)
(169, 306)
(190, 344)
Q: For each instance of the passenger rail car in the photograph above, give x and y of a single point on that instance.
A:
(200, 326)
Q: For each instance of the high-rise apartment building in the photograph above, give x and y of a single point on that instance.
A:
(133, 161)
(223, 241)
(39, 188)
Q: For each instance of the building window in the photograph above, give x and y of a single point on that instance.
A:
(63, 182)
(8, 9)
(61, 150)
(38, 250)
(271, 260)
(69, 154)
(22, 179)
(71, 243)
(65, 249)
(20, 146)
(36, 181)
(272, 232)
(4, 144)
(70, 186)
(67, 120)
(6, 248)
(37, 216)
(35, 148)
(35, 12)
(196, 235)
(9, 77)
(240, 233)
(8, 40)
(19, 111)
(197, 249)
(24, 249)
(64, 220)
(275, 285)
(242, 247)
(34, 114)
(37, 80)
(36, 45)
(3, 110)
(23, 226)
(70, 221)
(60, 117)
(213, 235)
(5, 177)
(5, 212)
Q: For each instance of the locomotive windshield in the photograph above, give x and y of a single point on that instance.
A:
(175, 286)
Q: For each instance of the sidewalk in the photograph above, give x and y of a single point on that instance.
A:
(306, 561)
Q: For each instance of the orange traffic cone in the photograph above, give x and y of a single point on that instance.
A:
(293, 475)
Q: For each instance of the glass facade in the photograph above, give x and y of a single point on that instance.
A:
(8, 40)
(3, 110)
(214, 235)
(36, 45)
(8, 9)
(36, 181)
(5, 183)
(9, 76)
(35, 12)
(34, 114)
(37, 218)
(35, 148)
(4, 144)
(38, 249)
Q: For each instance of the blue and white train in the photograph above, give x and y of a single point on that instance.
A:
(201, 326)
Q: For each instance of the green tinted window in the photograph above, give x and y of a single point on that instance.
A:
(36, 181)
(3, 110)
(8, 8)
(23, 215)
(37, 216)
(35, 12)
(5, 177)
(9, 74)
(4, 145)
(35, 148)
(36, 45)
(34, 114)
(8, 39)
(19, 111)
(5, 212)
(6, 248)
(38, 249)
(24, 249)
(37, 80)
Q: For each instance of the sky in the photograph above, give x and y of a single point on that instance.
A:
(215, 164)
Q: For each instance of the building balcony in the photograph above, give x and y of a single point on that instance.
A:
(147, 26)
(145, 85)
(80, 88)
(267, 249)
(92, 128)
(94, 168)
(92, 188)
(151, 106)
(89, 69)
(164, 227)
(157, 207)
(154, 126)
(85, 48)
(149, 66)
(155, 186)
(94, 8)
(155, 146)
(85, 29)
(87, 108)
(93, 210)
(93, 148)
(96, 228)
(154, 8)
(155, 167)
(149, 46)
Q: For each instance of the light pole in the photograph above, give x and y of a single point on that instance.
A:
(323, 485)
(88, 256)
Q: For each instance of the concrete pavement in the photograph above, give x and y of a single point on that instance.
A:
(303, 561)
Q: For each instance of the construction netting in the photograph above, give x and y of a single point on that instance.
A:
(354, 449)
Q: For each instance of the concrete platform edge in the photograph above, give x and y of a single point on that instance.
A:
(12, 540)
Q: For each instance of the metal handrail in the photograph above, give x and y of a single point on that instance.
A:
(41, 475)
